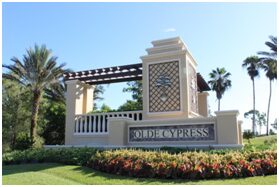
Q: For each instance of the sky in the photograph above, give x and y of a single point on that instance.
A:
(95, 35)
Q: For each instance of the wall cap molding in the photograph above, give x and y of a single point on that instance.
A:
(238, 146)
(227, 112)
(165, 54)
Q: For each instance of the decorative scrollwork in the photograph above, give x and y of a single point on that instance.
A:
(163, 82)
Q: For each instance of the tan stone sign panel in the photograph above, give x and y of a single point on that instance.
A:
(195, 132)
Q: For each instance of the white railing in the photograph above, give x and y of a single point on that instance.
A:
(98, 123)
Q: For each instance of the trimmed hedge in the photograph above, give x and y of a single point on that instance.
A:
(156, 164)
(188, 165)
(75, 156)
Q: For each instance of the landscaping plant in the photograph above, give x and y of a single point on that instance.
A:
(157, 164)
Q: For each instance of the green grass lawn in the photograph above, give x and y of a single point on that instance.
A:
(50, 173)
(258, 142)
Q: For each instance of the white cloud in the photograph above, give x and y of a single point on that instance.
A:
(170, 30)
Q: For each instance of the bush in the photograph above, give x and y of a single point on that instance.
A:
(248, 134)
(156, 164)
(39, 142)
(174, 150)
(22, 142)
(76, 156)
(271, 132)
(271, 141)
(186, 165)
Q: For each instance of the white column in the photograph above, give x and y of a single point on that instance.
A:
(94, 123)
(85, 124)
(90, 124)
(103, 123)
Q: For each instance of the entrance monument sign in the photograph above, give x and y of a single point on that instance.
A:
(172, 133)
(175, 111)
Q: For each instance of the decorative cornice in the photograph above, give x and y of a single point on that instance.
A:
(227, 112)
(174, 40)
(166, 54)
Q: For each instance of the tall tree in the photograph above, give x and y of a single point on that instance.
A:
(260, 118)
(274, 125)
(53, 131)
(252, 65)
(15, 112)
(219, 82)
(135, 87)
(37, 71)
(97, 95)
(56, 93)
(269, 65)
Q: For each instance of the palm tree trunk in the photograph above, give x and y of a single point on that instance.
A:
(35, 110)
(254, 109)
(268, 107)
(218, 104)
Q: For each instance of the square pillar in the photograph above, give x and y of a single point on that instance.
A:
(228, 127)
(88, 93)
(79, 100)
(203, 104)
(169, 81)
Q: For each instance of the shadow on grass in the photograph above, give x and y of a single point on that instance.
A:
(23, 168)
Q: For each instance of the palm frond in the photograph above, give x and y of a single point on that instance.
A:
(219, 81)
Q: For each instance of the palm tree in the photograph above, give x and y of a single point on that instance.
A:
(273, 47)
(252, 64)
(38, 71)
(269, 65)
(219, 82)
(260, 118)
(97, 95)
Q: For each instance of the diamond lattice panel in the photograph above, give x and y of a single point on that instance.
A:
(172, 92)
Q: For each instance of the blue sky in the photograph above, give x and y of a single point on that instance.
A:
(93, 35)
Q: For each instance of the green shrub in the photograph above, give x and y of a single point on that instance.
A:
(76, 156)
(22, 142)
(271, 132)
(270, 141)
(248, 134)
(39, 142)
(186, 165)
(174, 150)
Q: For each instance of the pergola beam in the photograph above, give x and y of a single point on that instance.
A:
(124, 79)
(103, 71)
(116, 74)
